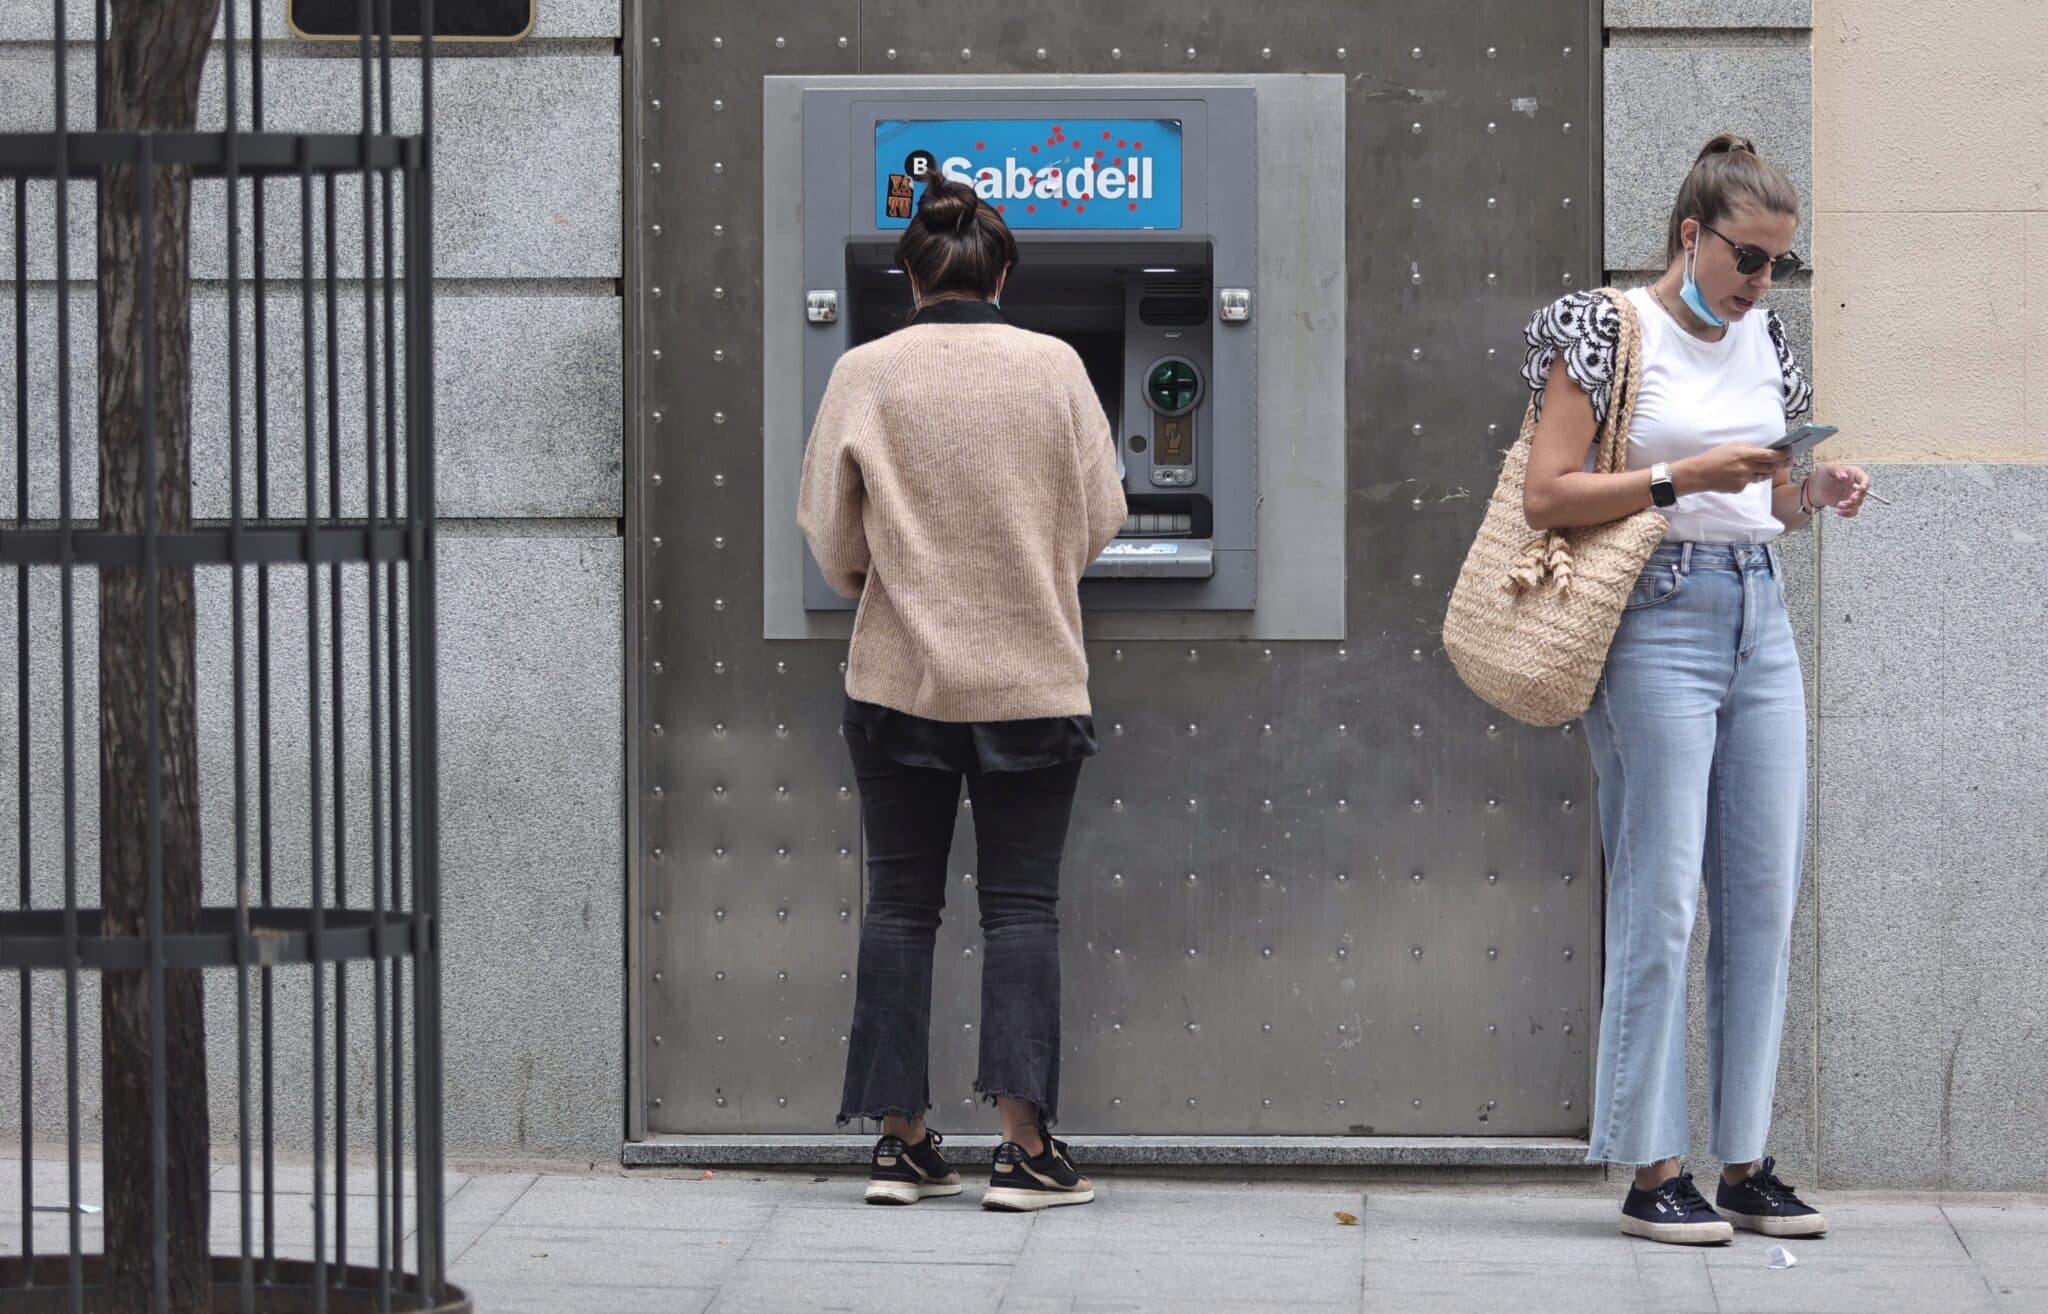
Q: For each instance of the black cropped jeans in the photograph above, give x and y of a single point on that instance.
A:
(1020, 827)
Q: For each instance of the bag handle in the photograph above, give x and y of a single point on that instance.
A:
(1628, 383)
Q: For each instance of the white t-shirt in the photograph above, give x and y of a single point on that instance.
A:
(1695, 396)
(1698, 395)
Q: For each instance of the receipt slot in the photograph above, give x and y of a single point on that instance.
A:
(1134, 212)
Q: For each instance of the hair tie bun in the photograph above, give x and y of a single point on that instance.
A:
(948, 206)
(1728, 143)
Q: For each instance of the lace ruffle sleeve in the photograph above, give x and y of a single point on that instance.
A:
(1795, 390)
(1585, 329)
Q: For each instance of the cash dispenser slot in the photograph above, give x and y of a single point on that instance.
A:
(1168, 515)
(1165, 536)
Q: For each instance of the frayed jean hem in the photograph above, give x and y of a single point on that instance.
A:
(990, 1095)
(847, 1119)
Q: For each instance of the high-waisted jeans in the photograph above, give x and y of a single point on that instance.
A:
(1020, 829)
(1698, 733)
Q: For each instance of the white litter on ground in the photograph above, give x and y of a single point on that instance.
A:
(1779, 1257)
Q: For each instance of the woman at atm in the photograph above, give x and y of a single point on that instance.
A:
(960, 478)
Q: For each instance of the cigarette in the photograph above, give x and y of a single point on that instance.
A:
(1877, 497)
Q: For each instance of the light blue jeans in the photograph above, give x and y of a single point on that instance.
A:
(1698, 733)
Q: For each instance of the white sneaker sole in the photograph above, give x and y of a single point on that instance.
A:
(1009, 1199)
(1766, 1225)
(905, 1193)
(1679, 1234)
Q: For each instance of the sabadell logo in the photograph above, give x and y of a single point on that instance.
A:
(1014, 180)
(1114, 169)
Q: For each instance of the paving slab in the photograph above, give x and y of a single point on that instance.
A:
(557, 1199)
(518, 1297)
(601, 1257)
(477, 1207)
(1478, 1286)
(296, 1178)
(1427, 1228)
(1819, 1287)
(1678, 1280)
(2009, 1243)
(936, 1232)
(778, 1286)
(1147, 1245)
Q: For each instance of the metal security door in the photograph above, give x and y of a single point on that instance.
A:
(1312, 887)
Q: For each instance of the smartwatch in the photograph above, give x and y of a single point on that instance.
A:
(1663, 492)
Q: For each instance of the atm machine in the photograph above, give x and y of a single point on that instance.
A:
(1134, 217)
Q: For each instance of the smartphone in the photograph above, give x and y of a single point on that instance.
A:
(1805, 438)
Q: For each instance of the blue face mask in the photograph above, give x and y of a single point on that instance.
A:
(1689, 291)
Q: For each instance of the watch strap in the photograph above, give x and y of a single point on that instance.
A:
(1663, 492)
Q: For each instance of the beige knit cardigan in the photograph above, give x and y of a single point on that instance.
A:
(960, 477)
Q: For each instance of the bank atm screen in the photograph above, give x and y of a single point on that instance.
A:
(1103, 355)
(1085, 309)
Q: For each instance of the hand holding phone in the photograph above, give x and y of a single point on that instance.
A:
(1804, 439)
(1728, 468)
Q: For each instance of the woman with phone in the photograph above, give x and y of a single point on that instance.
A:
(1698, 726)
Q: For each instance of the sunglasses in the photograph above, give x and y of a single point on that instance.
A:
(1749, 259)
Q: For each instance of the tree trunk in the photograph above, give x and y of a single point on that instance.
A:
(149, 81)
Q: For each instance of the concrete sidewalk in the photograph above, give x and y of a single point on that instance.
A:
(681, 1241)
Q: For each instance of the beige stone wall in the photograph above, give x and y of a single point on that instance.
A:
(1931, 228)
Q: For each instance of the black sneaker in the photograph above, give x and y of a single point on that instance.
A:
(1763, 1203)
(1674, 1212)
(903, 1174)
(1017, 1182)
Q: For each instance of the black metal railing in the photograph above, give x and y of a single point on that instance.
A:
(366, 680)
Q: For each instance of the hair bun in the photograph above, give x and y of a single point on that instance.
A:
(1725, 144)
(948, 206)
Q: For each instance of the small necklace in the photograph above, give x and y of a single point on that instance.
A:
(1658, 293)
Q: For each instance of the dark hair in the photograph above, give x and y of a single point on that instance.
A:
(1728, 175)
(956, 244)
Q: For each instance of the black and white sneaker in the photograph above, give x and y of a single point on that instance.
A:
(902, 1174)
(1763, 1203)
(1017, 1182)
(1674, 1212)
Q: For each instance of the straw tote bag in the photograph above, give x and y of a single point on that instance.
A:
(1532, 614)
